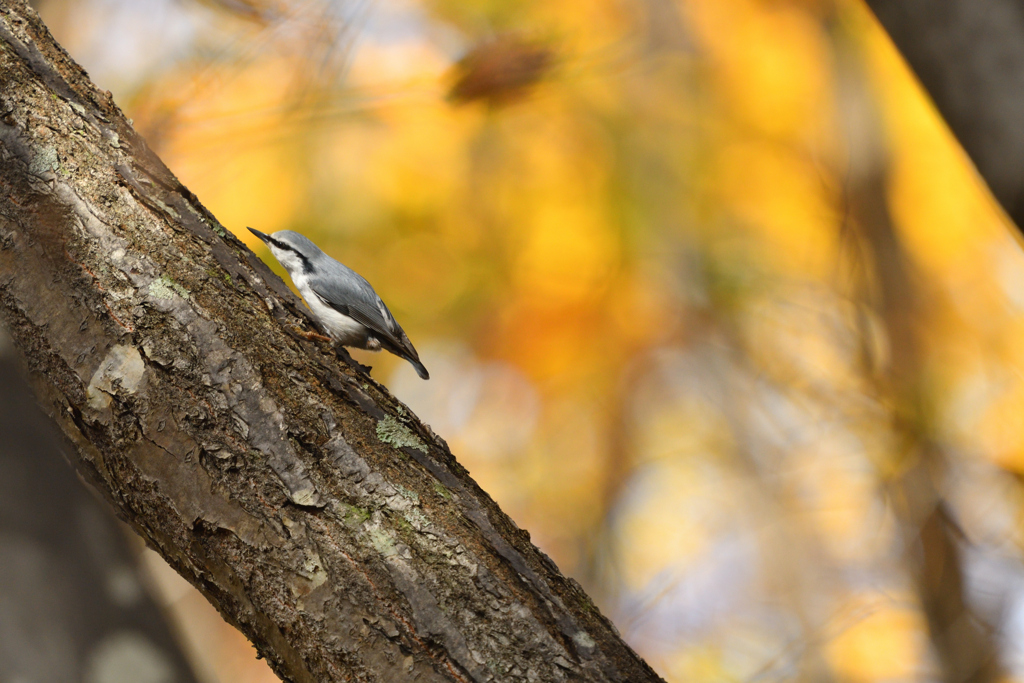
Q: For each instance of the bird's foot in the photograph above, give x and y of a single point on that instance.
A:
(310, 336)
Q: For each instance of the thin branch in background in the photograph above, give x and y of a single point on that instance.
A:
(74, 605)
(964, 646)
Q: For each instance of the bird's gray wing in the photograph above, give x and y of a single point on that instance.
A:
(350, 294)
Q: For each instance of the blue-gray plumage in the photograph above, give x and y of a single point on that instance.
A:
(340, 298)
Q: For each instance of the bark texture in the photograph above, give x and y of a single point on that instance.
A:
(319, 516)
(969, 56)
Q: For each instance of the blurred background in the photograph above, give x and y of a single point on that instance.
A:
(711, 300)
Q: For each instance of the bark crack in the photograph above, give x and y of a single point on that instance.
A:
(254, 460)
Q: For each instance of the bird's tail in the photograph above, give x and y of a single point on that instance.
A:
(420, 370)
(405, 350)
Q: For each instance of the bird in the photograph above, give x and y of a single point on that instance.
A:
(340, 298)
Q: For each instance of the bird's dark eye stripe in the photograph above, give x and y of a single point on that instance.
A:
(307, 267)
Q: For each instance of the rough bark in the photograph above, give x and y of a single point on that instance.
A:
(969, 56)
(319, 516)
(73, 606)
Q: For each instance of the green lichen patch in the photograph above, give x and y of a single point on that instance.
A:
(165, 288)
(44, 160)
(212, 273)
(391, 431)
(166, 209)
(351, 515)
(382, 542)
(408, 494)
(442, 491)
(417, 519)
(585, 603)
(403, 524)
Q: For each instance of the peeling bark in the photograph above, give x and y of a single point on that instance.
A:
(319, 516)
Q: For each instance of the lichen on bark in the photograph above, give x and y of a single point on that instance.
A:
(318, 515)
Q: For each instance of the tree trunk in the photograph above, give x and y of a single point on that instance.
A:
(969, 56)
(319, 516)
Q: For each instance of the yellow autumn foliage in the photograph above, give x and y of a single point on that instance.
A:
(632, 268)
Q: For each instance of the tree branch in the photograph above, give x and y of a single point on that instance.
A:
(319, 516)
(969, 56)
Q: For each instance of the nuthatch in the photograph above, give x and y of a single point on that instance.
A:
(341, 299)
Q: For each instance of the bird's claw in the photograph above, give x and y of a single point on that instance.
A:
(310, 336)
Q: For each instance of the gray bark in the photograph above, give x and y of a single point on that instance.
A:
(312, 509)
(73, 606)
(969, 56)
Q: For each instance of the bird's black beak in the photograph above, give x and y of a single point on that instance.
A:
(263, 236)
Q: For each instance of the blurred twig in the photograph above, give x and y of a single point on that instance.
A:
(964, 646)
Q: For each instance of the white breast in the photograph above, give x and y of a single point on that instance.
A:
(344, 329)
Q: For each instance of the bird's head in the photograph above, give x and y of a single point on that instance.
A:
(294, 251)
